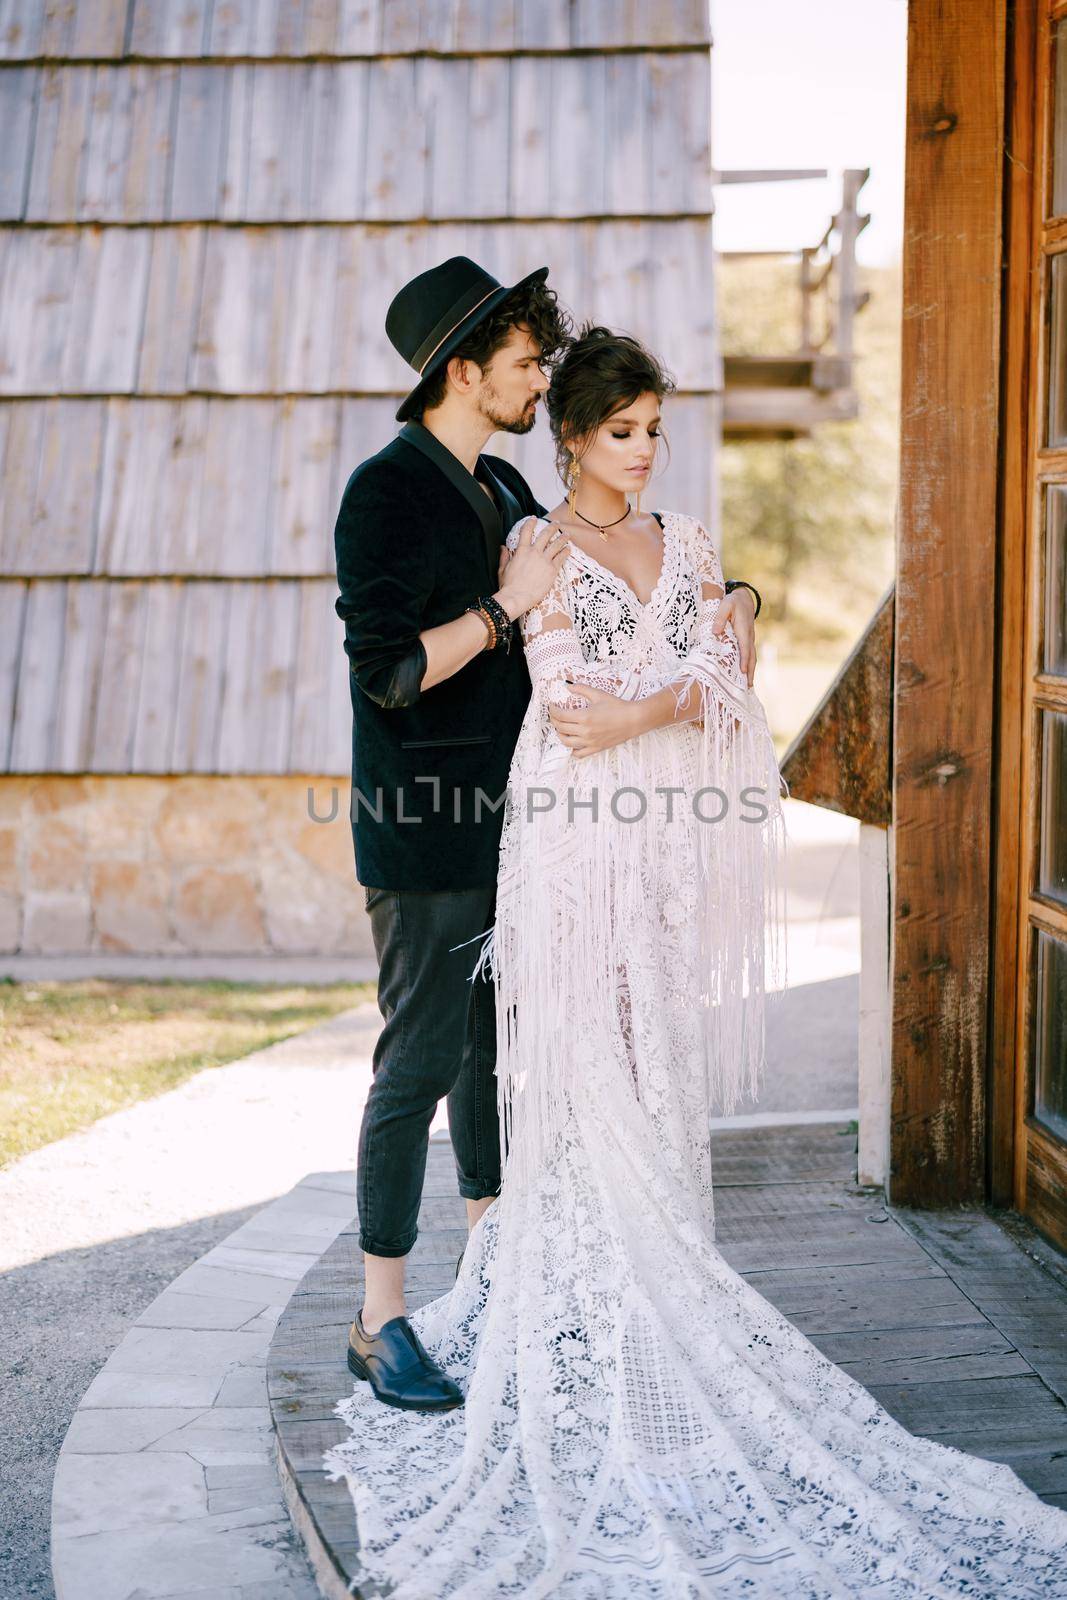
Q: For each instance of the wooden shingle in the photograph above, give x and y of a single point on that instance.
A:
(351, 141)
(265, 28)
(301, 310)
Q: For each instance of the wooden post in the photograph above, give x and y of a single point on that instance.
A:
(849, 227)
(805, 301)
(872, 1163)
(946, 609)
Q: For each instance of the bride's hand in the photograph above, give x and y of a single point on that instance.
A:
(739, 609)
(606, 721)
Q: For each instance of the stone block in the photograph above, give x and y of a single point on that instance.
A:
(8, 858)
(327, 845)
(56, 854)
(51, 795)
(264, 1322)
(223, 1436)
(119, 1431)
(287, 1265)
(95, 1494)
(257, 1288)
(210, 1312)
(184, 1350)
(120, 1390)
(119, 819)
(130, 906)
(56, 924)
(10, 923)
(210, 820)
(216, 909)
(205, 1560)
(14, 798)
(303, 909)
(246, 1386)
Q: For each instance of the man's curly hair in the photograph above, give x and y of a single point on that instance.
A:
(536, 306)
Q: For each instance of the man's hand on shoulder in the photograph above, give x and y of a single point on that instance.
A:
(532, 569)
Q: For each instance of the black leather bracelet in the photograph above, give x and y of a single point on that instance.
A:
(500, 617)
(739, 583)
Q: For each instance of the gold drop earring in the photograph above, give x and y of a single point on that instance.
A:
(573, 476)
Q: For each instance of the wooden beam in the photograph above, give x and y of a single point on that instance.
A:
(766, 174)
(799, 410)
(792, 371)
(945, 608)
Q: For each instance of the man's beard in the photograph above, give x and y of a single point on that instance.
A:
(492, 411)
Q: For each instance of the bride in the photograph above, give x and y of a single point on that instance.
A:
(638, 1420)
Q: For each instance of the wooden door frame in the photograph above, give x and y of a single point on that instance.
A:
(1039, 1158)
(1020, 395)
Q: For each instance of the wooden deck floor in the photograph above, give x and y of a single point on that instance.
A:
(956, 1321)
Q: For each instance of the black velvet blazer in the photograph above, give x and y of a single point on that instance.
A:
(417, 540)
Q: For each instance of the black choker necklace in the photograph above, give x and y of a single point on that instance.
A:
(600, 528)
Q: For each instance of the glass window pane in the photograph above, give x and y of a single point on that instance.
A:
(1057, 353)
(1059, 123)
(1050, 1035)
(1055, 652)
(1052, 876)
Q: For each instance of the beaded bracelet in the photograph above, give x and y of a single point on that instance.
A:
(496, 619)
(490, 625)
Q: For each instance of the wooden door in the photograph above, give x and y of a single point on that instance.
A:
(1034, 680)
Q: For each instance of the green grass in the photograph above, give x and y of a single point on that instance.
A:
(72, 1052)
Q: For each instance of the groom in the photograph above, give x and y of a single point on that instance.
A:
(439, 690)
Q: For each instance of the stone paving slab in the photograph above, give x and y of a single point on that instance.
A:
(166, 1485)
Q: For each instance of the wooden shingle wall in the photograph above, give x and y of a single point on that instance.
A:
(205, 209)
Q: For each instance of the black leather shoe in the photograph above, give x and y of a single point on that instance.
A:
(399, 1369)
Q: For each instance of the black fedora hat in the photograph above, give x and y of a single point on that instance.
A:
(429, 318)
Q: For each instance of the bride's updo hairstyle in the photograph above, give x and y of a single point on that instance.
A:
(599, 373)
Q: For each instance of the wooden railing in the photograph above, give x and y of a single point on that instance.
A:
(829, 299)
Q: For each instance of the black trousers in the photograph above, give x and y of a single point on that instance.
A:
(439, 1039)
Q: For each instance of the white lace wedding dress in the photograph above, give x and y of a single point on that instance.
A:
(640, 1424)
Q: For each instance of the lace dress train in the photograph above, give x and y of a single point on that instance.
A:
(639, 1421)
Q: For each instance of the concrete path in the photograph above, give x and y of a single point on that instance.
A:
(95, 1226)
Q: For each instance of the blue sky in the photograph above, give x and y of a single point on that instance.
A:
(808, 83)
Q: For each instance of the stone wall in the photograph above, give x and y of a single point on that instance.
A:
(181, 865)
